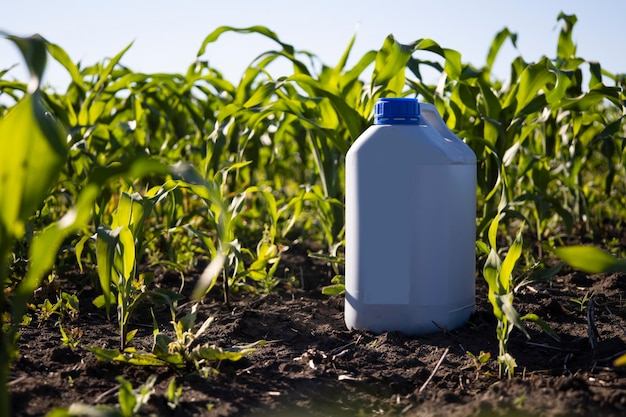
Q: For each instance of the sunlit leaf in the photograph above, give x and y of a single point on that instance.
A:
(106, 243)
(566, 48)
(32, 152)
(590, 259)
(505, 302)
(497, 43)
(64, 59)
(542, 323)
(508, 264)
(33, 50)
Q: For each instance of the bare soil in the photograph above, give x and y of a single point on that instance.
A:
(312, 365)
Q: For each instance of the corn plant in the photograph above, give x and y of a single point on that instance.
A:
(32, 152)
(118, 249)
(498, 274)
(540, 137)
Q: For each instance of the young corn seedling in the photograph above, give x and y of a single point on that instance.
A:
(118, 251)
(266, 258)
(499, 276)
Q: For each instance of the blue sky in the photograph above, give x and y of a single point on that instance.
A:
(168, 34)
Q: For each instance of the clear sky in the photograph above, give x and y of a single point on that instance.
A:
(168, 34)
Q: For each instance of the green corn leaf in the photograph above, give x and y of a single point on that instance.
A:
(161, 344)
(106, 242)
(32, 153)
(505, 303)
(127, 247)
(44, 247)
(130, 213)
(346, 54)
(566, 48)
(497, 43)
(130, 336)
(590, 259)
(353, 120)
(542, 323)
(262, 94)
(216, 353)
(482, 248)
(130, 356)
(491, 102)
(64, 59)
(592, 98)
(563, 81)
(103, 76)
(100, 302)
(390, 64)
(453, 66)
(490, 270)
(533, 79)
(261, 30)
(33, 50)
(78, 249)
(493, 231)
(209, 276)
(92, 104)
(511, 258)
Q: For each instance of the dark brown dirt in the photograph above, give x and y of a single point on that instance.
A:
(313, 366)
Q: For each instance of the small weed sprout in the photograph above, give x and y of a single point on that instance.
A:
(477, 362)
(72, 337)
(181, 351)
(581, 302)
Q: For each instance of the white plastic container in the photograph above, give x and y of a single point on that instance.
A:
(410, 223)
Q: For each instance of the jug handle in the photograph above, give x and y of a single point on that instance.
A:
(431, 115)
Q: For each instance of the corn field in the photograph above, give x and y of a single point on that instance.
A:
(124, 171)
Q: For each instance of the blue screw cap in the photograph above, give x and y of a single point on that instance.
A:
(397, 111)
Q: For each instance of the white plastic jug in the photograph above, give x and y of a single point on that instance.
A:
(410, 223)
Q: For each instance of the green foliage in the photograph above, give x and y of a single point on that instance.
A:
(130, 402)
(118, 251)
(499, 276)
(590, 259)
(179, 351)
(70, 338)
(32, 151)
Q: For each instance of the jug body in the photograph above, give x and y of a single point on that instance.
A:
(410, 224)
